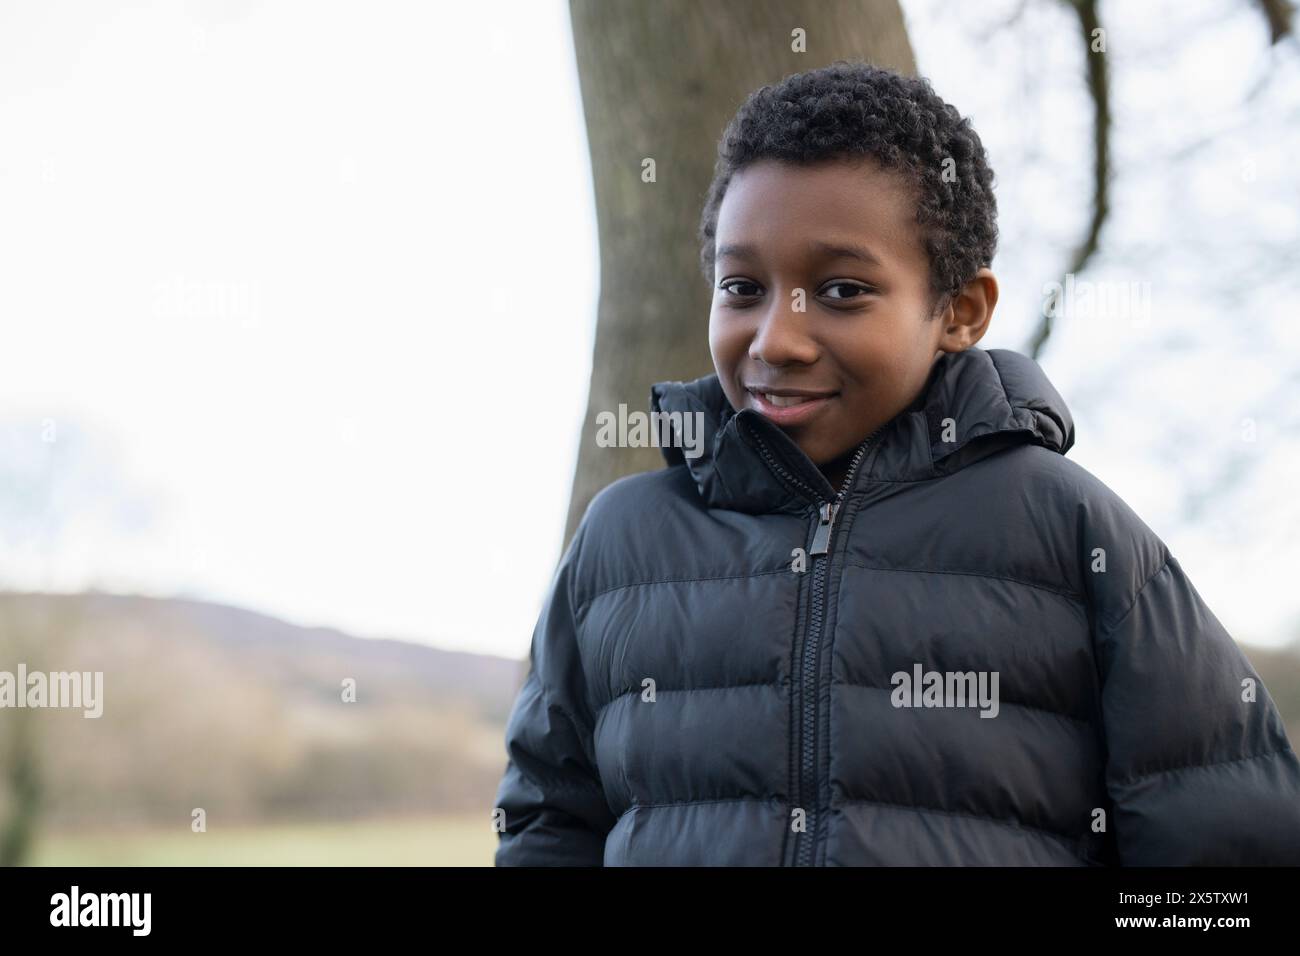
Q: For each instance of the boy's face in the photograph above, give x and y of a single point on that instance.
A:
(861, 349)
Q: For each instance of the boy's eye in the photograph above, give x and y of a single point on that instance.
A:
(737, 287)
(855, 287)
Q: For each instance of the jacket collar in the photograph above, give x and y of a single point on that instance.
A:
(990, 399)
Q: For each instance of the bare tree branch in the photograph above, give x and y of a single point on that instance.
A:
(1099, 90)
(1279, 15)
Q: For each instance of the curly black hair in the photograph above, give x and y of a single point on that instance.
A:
(849, 109)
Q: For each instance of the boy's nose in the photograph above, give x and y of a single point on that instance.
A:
(784, 336)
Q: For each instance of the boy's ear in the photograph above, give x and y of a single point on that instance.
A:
(967, 314)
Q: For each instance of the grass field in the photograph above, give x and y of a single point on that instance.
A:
(432, 841)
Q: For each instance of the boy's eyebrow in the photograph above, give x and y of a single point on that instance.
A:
(833, 250)
(736, 251)
(846, 250)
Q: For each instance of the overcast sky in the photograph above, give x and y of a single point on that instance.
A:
(305, 294)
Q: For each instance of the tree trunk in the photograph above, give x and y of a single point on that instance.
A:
(659, 81)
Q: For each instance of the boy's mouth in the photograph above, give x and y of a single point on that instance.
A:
(788, 406)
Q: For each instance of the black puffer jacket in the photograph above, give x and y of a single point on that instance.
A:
(696, 699)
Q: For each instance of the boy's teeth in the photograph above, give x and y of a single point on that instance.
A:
(784, 401)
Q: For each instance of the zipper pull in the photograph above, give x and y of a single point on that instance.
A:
(823, 536)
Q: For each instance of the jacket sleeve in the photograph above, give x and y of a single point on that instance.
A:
(1199, 768)
(555, 809)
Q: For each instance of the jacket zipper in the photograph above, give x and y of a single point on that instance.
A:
(826, 512)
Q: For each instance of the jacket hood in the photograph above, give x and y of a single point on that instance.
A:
(995, 399)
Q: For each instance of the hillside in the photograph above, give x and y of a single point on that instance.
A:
(242, 714)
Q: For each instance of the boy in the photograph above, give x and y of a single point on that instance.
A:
(881, 620)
